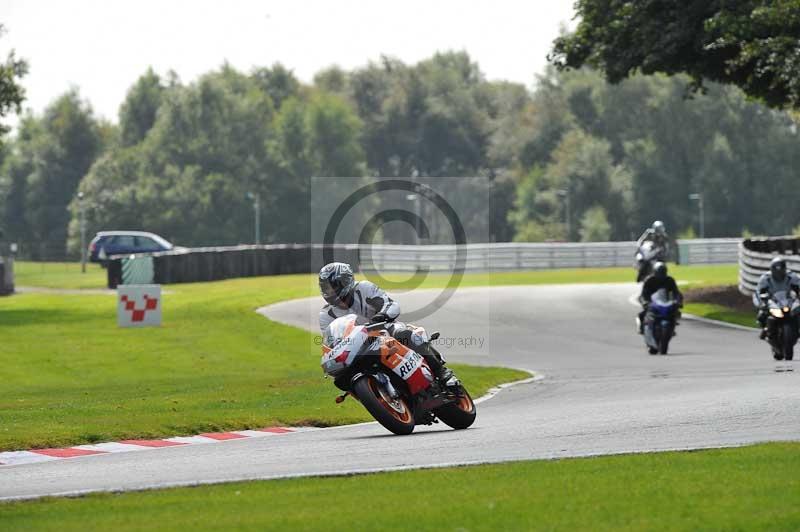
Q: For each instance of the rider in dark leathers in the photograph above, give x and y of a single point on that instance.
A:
(777, 279)
(655, 282)
(344, 295)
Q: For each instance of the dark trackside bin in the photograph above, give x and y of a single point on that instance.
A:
(6, 276)
(114, 272)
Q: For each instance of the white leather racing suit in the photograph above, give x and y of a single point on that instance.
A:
(368, 300)
(660, 243)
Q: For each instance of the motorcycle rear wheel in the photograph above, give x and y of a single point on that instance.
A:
(459, 415)
(394, 414)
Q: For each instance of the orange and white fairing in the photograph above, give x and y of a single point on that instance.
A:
(344, 340)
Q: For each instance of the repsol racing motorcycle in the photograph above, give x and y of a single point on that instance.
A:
(783, 308)
(647, 254)
(659, 322)
(392, 381)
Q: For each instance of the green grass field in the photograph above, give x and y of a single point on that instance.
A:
(749, 488)
(58, 275)
(71, 376)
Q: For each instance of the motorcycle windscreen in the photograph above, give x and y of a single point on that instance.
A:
(343, 341)
(661, 304)
(781, 298)
(661, 298)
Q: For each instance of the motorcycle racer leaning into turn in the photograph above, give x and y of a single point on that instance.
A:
(657, 234)
(657, 281)
(777, 279)
(344, 295)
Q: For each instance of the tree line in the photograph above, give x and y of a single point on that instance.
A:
(573, 158)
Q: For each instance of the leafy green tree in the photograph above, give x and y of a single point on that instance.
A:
(536, 215)
(12, 94)
(581, 175)
(50, 156)
(749, 43)
(214, 142)
(332, 79)
(663, 147)
(278, 82)
(334, 135)
(188, 180)
(595, 226)
(433, 117)
(137, 114)
(370, 89)
(316, 138)
(17, 166)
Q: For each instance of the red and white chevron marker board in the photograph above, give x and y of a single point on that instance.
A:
(139, 305)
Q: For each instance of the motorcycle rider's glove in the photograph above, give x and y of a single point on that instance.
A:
(380, 317)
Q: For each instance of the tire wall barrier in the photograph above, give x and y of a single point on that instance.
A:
(755, 255)
(217, 263)
(6, 276)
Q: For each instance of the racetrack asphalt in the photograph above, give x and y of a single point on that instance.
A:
(601, 394)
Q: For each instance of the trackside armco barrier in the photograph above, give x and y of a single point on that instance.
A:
(209, 264)
(756, 253)
(536, 256)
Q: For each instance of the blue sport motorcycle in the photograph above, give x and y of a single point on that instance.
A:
(660, 322)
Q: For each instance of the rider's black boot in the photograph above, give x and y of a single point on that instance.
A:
(442, 373)
(445, 374)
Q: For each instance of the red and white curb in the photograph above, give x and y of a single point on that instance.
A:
(46, 455)
(12, 458)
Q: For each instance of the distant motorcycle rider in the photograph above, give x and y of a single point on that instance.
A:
(778, 279)
(344, 295)
(657, 234)
(657, 281)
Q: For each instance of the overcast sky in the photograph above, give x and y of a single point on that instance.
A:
(102, 46)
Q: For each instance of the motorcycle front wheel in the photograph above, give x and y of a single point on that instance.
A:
(788, 338)
(663, 341)
(393, 413)
(459, 415)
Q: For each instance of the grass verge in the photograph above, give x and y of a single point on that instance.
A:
(68, 275)
(58, 275)
(748, 488)
(722, 303)
(70, 376)
(721, 313)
